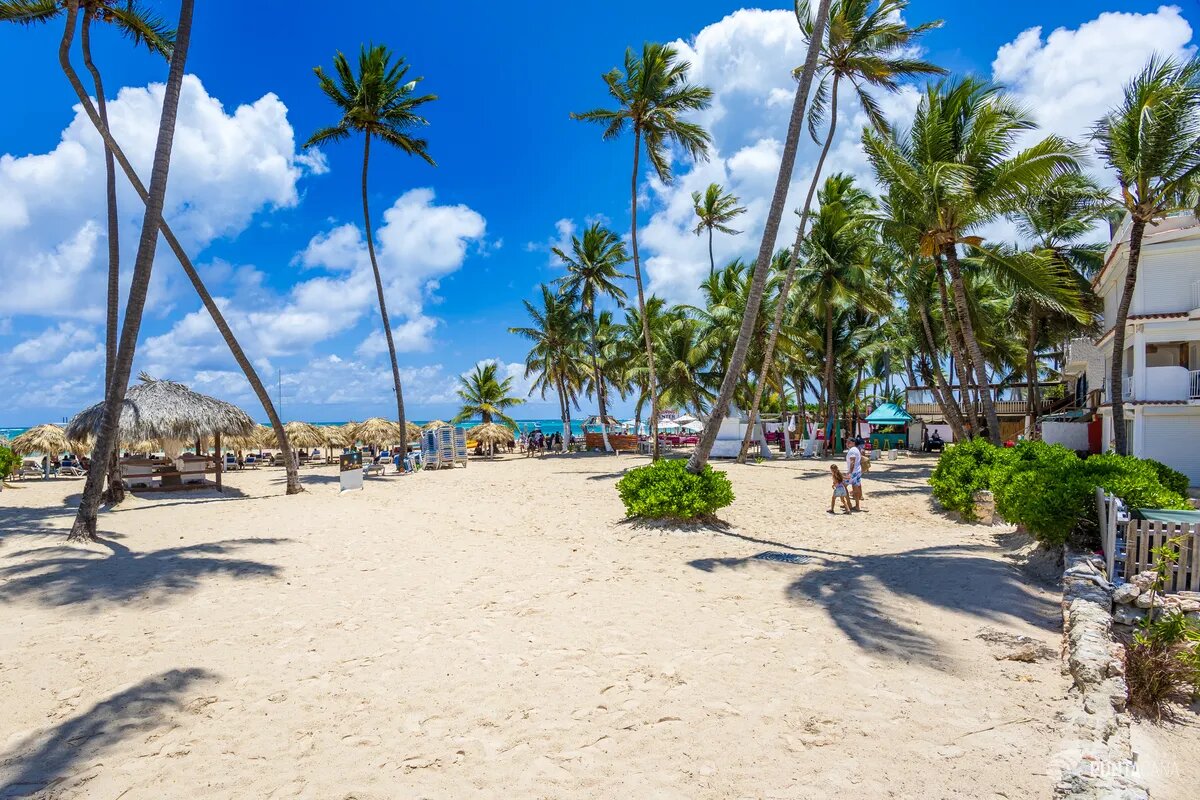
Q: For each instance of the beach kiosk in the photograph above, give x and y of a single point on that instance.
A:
(595, 428)
(889, 424)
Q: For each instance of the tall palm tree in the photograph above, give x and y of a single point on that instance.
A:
(556, 331)
(652, 95)
(1152, 141)
(485, 396)
(593, 269)
(762, 266)
(715, 209)
(870, 50)
(837, 272)
(142, 27)
(954, 171)
(235, 348)
(84, 526)
(380, 102)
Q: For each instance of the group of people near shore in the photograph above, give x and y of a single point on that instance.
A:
(847, 485)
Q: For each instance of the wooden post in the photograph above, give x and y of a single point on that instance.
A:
(220, 461)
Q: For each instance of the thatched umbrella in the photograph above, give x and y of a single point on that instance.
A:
(413, 430)
(490, 434)
(160, 410)
(46, 439)
(437, 423)
(377, 431)
(336, 435)
(304, 434)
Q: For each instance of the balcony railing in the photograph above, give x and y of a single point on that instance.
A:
(1194, 393)
(1163, 385)
(1009, 400)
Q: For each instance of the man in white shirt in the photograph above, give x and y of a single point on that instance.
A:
(854, 470)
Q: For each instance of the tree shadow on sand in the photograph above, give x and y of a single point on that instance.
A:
(45, 759)
(65, 575)
(861, 592)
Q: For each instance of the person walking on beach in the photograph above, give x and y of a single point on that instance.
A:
(854, 470)
(839, 489)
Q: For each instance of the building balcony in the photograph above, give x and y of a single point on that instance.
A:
(1010, 400)
(1162, 385)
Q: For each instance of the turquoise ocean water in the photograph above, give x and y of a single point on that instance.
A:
(548, 426)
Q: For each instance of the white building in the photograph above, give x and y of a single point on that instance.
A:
(1161, 381)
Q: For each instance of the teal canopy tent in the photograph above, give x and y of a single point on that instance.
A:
(889, 414)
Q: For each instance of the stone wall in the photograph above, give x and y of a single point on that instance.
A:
(1132, 600)
(1098, 761)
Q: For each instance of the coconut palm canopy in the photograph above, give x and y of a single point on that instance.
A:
(160, 409)
(377, 431)
(46, 439)
(305, 434)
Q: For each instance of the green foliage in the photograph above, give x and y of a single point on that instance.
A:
(964, 469)
(666, 490)
(1162, 663)
(1174, 480)
(1047, 488)
(9, 461)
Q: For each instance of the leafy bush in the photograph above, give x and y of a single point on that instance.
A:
(666, 490)
(964, 469)
(1174, 480)
(1047, 488)
(9, 462)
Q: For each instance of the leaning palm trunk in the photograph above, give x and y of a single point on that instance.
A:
(235, 348)
(942, 393)
(968, 331)
(958, 358)
(1116, 374)
(786, 290)
(116, 492)
(84, 527)
(387, 325)
(637, 276)
(770, 230)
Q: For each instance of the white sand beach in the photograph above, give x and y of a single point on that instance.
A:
(498, 631)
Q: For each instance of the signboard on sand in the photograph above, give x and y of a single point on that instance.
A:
(351, 471)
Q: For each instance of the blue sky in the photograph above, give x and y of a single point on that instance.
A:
(275, 230)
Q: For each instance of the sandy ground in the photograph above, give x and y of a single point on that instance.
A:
(499, 631)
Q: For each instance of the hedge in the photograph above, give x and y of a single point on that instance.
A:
(1050, 490)
(666, 490)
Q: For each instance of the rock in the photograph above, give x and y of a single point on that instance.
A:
(985, 507)
(1126, 593)
(1187, 606)
(1146, 598)
(1128, 615)
(1144, 580)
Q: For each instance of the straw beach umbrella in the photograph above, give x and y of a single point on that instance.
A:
(413, 429)
(377, 431)
(304, 434)
(491, 435)
(437, 423)
(46, 439)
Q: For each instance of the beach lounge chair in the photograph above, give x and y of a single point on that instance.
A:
(460, 445)
(230, 461)
(71, 471)
(251, 461)
(30, 469)
(379, 468)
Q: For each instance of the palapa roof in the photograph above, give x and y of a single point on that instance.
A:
(377, 431)
(160, 409)
(437, 423)
(304, 434)
(490, 433)
(47, 439)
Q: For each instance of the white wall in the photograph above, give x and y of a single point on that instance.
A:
(1165, 276)
(1167, 383)
(1173, 439)
(1072, 435)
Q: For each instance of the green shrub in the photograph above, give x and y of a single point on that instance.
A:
(1047, 488)
(9, 462)
(666, 490)
(1176, 481)
(964, 469)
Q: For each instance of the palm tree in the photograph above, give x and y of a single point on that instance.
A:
(869, 50)
(593, 268)
(1055, 220)
(485, 396)
(235, 348)
(954, 171)
(762, 265)
(142, 27)
(84, 527)
(379, 102)
(556, 332)
(837, 273)
(652, 95)
(1152, 141)
(715, 209)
